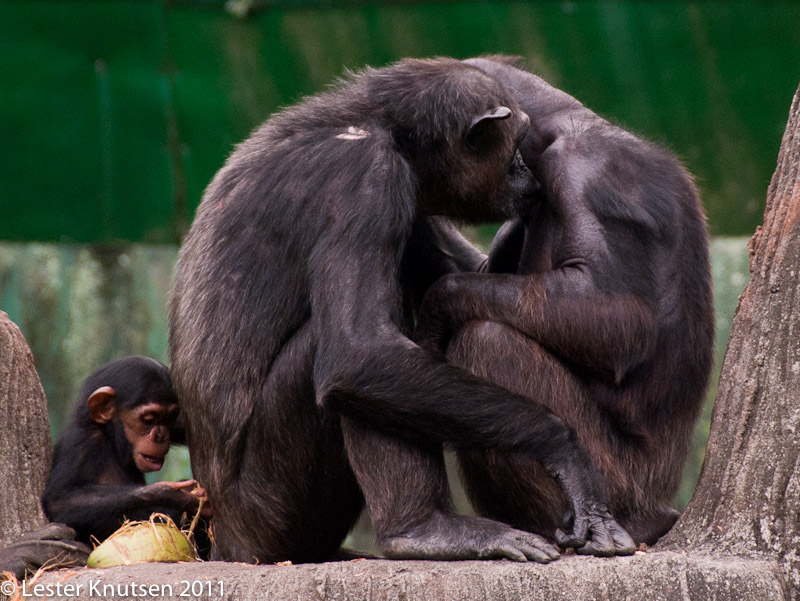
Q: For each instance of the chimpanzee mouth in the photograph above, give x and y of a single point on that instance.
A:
(153, 462)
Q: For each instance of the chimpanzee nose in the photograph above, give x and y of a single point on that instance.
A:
(161, 434)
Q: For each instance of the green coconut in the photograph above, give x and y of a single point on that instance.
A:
(158, 539)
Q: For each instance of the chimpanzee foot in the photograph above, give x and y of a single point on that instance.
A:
(596, 532)
(53, 545)
(447, 537)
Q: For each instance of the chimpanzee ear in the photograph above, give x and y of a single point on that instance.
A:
(483, 131)
(101, 404)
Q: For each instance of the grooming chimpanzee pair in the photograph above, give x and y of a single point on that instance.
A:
(301, 285)
(318, 293)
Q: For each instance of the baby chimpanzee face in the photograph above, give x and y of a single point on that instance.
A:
(147, 428)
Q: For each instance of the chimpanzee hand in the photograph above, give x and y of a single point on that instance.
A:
(200, 494)
(592, 528)
(184, 495)
(594, 531)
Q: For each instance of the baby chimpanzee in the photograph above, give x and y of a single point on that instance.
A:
(121, 427)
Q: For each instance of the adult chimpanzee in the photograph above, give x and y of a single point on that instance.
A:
(600, 308)
(121, 427)
(292, 302)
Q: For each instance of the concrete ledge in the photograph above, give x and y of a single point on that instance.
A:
(652, 576)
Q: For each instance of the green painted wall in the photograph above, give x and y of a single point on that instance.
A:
(115, 115)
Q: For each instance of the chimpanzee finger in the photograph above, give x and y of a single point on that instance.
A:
(623, 542)
(183, 484)
(199, 491)
(503, 550)
(539, 551)
(577, 538)
(597, 550)
(535, 547)
(601, 543)
(520, 546)
(549, 550)
(564, 540)
(534, 554)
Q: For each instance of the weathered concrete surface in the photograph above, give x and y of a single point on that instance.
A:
(663, 576)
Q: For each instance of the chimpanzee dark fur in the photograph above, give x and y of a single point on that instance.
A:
(293, 299)
(94, 483)
(603, 313)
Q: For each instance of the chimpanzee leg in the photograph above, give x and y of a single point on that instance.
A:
(517, 491)
(406, 489)
(292, 494)
(380, 462)
(302, 506)
(504, 486)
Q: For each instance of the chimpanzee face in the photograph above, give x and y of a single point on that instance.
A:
(483, 175)
(145, 421)
(147, 428)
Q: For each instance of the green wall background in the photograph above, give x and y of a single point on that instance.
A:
(115, 115)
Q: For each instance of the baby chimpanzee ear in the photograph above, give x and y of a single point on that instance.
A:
(101, 404)
(483, 134)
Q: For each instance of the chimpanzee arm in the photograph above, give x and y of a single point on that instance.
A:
(436, 248)
(99, 509)
(440, 248)
(367, 368)
(608, 332)
(596, 308)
